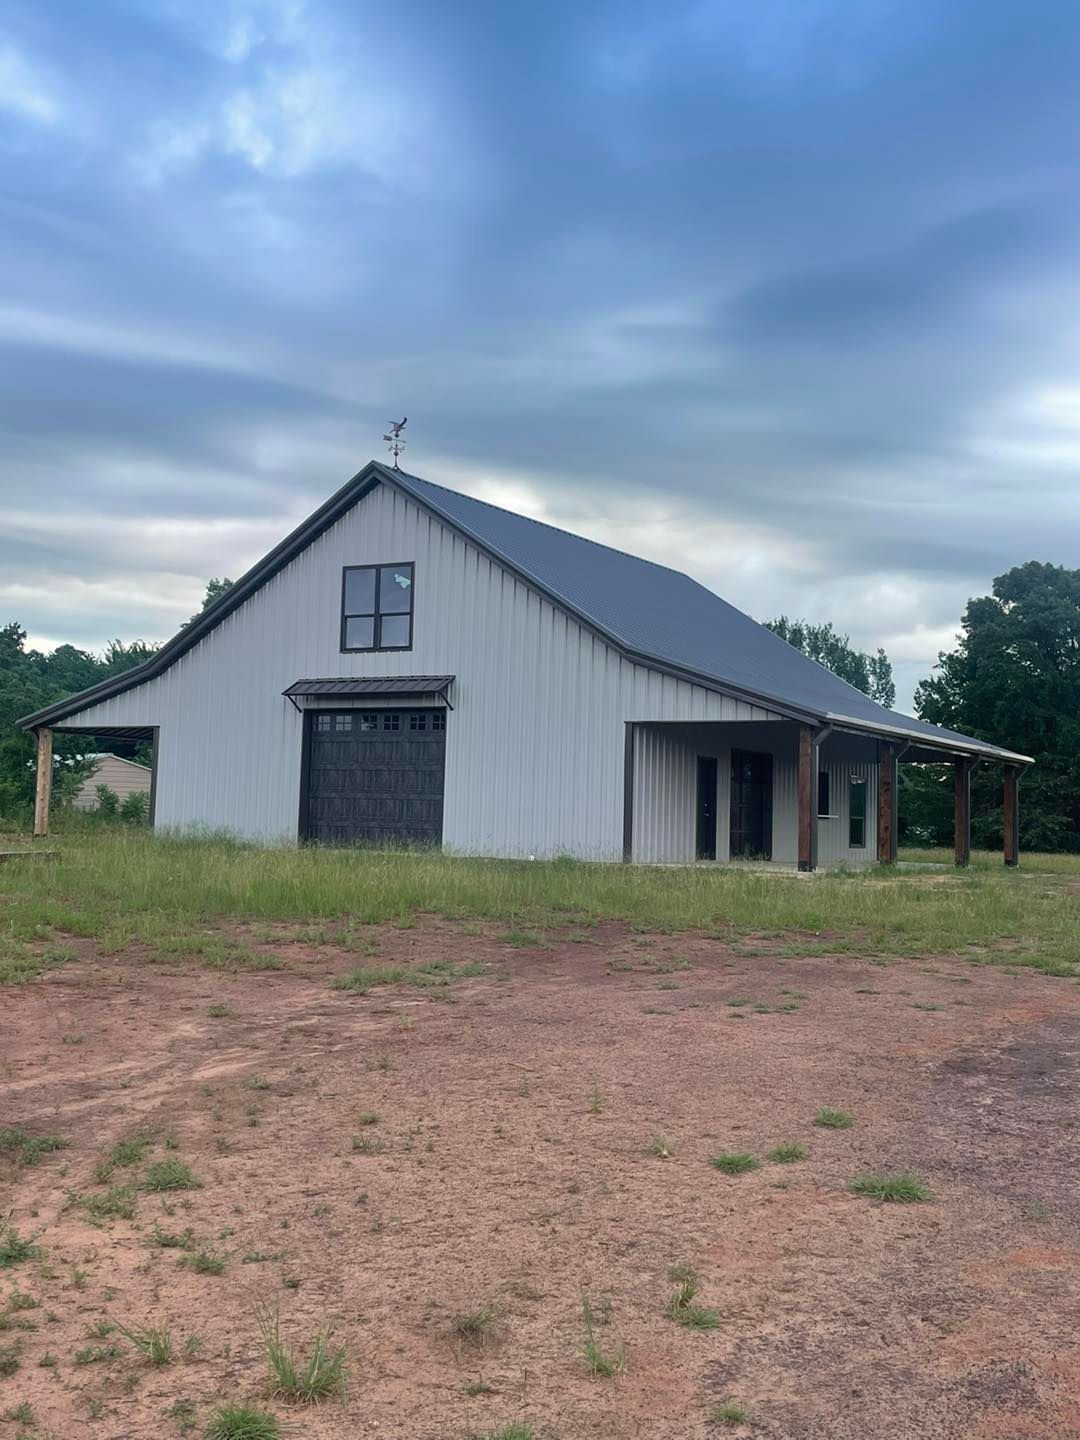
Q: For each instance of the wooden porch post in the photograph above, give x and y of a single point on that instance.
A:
(1012, 815)
(962, 768)
(886, 812)
(806, 798)
(43, 788)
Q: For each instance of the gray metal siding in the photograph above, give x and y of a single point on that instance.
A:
(534, 757)
(844, 756)
(665, 790)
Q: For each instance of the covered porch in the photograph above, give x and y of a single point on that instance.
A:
(124, 737)
(784, 792)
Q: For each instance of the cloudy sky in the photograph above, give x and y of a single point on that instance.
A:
(783, 293)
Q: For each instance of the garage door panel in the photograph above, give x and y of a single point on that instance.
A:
(376, 777)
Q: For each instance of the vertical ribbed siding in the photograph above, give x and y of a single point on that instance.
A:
(844, 757)
(534, 746)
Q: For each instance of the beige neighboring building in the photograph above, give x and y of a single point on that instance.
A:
(123, 777)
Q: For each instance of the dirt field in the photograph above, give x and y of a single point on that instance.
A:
(510, 1165)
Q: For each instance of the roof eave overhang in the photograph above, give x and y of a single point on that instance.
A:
(946, 744)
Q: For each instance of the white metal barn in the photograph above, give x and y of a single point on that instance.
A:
(414, 666)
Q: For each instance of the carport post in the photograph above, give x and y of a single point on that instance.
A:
(806, 798)
(886, 816)
(43, 787)
(1012, 815)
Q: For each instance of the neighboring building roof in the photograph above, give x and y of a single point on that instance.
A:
(110, 755)
(653, 614)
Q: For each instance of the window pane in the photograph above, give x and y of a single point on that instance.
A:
(396, 630)
(857, 814)
(418, 720)
(391, 720)
(360, 633)
(342, 722)
(322, 722)
(369, 719)
(359, 591)
(823, 792)
(395, 589)
(438, 720)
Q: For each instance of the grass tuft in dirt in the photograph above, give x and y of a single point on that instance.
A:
(14, 1250)
(728, 1414)
(475, 1326)
(205, 1262)
(787, 1153)
(242, 1422)
(116, 1203)
(27, 1149)
(516, 1430)
(681, 1307)
(736, 1162)
(834, 1119)
(292, 1377)
(904, 1188)
(598, 1360)
(155, 1346)
(170, 1174)
(660, 1147)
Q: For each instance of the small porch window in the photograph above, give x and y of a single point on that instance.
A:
(857, 812)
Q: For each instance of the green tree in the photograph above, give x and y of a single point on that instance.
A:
(215, 588)
(1014, 680)
(872, 674)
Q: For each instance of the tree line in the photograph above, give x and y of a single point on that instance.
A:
(1013, 680)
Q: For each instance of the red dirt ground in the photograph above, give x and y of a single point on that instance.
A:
(840, 1318)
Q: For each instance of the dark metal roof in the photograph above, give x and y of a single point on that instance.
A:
(651, 613)
(415, 685)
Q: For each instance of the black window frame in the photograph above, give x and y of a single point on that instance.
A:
(377, 616)
(853, 819)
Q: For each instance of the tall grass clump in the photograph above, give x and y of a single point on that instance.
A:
(320, 1375)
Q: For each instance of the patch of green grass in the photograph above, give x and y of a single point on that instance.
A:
(365, 1145)
(170, 1174)
(367, 1117)
(660, 1147)
(95, 1354)
(27, 1149)
(734, 1162)
(115, 1203)
(830, 1119)
(154, 1345)
(14, 1250)
(736, 1003)
(475, 1326)
(478, 1387)
(171, 1239)
(122, 1155)
(435, 973)
(205, 1262)
(256, 1082)
(219, 1010)
(317, 1377)
(681, 1306)
(516, 1430)
(599, 1361)
(788, 1152)
(903, 1188)
(242, 1422)
(596, 1100)
(728, 1414)
(9, 1360)
(22, 1414)
(519, 939)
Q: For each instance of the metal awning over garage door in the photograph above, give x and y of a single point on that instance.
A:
(374, 777)
(401, 688)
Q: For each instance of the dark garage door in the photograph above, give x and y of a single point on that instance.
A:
(375, 777)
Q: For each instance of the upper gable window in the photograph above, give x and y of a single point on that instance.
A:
(377, 607)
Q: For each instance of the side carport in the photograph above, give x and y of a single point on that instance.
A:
(146, 734)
